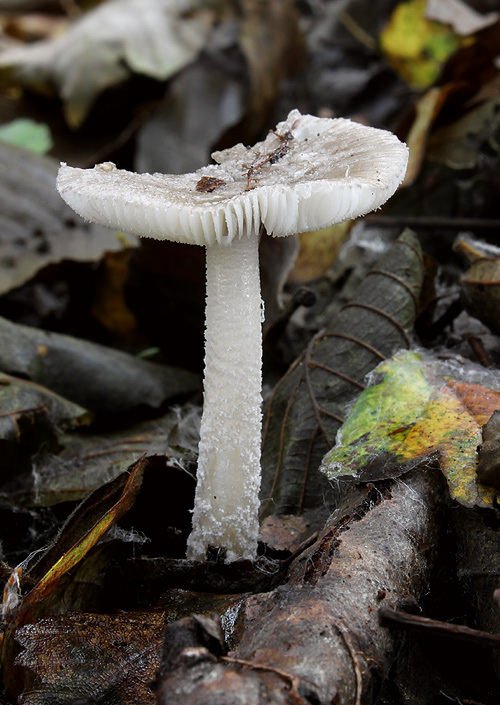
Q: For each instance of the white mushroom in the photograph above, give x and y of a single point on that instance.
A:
(308, 173)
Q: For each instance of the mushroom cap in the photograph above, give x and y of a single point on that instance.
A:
(307, 174)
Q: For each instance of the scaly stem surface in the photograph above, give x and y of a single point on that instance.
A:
(228, 481)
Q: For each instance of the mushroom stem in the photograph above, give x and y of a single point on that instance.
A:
(228, 479)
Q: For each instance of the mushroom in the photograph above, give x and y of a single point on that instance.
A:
(307, 174)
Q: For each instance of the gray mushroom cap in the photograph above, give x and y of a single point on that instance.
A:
(307, 174)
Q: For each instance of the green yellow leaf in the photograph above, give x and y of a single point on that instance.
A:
(415, 46)
(410, 413)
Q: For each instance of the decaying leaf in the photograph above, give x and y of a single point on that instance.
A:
(31, 418)
(90, 657)
(427, 108)
(307, 406)
(23, 403)
(480, 285)
(481, 289)
(189, 135)
(156, 38)
(412, 412)
(73, 545)
(38, 228)
(115, 499)
(82, 462)
(100, 379)
(318, 251)
(273, 47)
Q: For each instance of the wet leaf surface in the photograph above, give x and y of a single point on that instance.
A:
(94, 518)
(23, 403)
(189, 135)
(81, 462)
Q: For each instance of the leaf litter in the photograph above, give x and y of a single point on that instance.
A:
(455, 132)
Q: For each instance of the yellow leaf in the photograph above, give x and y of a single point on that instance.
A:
(410, 414)
(415, 46)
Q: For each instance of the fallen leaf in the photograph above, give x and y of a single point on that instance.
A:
(80, 463)
(116, 499)
(318, 251)
(415, 46)
(284, 533)
(109, 305)
(105, 46)
(23, 402)
(463, 19)
(427, 109)
(187, 133)
(274, 49)
(103, 658)
(410, 413)
(38, 228)
(102, 380)
(308, 404)
(488, 467)
(481, 289)
(28, 134)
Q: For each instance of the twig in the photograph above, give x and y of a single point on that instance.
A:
(404, 620)
(417, 221)
(358, 673)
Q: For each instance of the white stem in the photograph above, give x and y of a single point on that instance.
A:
(228, 481)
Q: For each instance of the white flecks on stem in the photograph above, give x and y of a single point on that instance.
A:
(228, 479)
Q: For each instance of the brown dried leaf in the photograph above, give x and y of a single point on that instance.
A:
(102, 658)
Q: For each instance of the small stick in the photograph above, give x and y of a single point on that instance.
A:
(404, 620)
(477, 348)
(417, 221)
